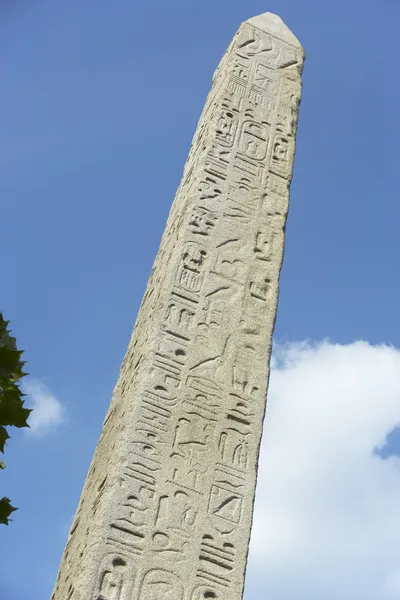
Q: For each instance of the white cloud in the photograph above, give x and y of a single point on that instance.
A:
(48, 412)
(327, 520)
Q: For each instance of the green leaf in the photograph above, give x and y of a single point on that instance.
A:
(12, 411)
(5, 510)
(2, 465)
(10, 392)
(10, 363)
(3, 437)
(3, 324)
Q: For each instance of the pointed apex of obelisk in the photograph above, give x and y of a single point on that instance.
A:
(274, 25)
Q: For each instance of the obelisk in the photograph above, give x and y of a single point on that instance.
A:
(166, 510)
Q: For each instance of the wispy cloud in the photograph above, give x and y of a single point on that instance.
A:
(327, 521)
(48, 412)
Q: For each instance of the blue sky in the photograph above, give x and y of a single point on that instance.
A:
(98, 107)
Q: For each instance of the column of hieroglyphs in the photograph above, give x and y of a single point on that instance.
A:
(166, 510)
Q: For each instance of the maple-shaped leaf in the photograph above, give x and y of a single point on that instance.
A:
(3, 437)
(10, 357)
(5, 510)
(12, 411)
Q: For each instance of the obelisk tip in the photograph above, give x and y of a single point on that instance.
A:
(271, 23)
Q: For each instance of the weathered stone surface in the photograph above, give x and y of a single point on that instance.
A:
(167, 506)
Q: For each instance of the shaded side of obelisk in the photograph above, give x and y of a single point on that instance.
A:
(166, 510)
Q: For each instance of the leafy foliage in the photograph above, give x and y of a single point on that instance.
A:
(5, 510)
(12, 411)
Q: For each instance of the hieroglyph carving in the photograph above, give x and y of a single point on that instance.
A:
(166, 510)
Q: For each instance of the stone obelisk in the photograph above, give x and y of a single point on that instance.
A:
(166, 510)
